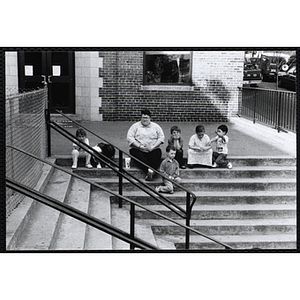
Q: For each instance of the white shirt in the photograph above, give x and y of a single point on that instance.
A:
(222, 146)
(145, 135)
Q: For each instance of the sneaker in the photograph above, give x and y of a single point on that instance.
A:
(214, 165)
(149, 175)
(89, 166)
(74, 167)
(229, 166)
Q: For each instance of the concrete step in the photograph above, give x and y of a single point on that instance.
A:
(205, 173)
(199, 184)
(99, 208)
(219, 197)
(237, 242)
(219, 212)
(64, 122)
(237, 161)
(17, 222)
(70, 233)
(227, 227)
(40, 229)
(121, 219)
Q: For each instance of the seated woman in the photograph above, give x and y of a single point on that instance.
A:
(199, 152)
(144, 139)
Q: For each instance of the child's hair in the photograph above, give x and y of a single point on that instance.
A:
(224, 128)
(200, 128)
(175, 128)
(81, 132)
(170, 147)
(146, 112)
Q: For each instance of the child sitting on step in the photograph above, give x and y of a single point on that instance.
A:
(170, 168)
(78, 151)
(176, 141)
(219, 157)
(199, 152)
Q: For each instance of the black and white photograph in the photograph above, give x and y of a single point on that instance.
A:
(150, 149)
(136, 162)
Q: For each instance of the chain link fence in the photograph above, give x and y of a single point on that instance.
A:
(25, 129)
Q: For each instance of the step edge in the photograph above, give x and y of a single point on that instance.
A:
(59, 220)
(88, 227)
(19, 226)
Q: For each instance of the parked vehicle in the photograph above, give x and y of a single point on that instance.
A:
(271, 63)
(252, 73)
(288, 79)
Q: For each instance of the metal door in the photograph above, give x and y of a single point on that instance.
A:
(54, 68)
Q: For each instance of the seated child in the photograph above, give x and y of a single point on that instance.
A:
(107, 150)
(170, 168)
(219, 157)
(78, 151)
(176, 141)
(199, 152)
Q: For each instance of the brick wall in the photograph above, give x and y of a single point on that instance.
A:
(213, 97)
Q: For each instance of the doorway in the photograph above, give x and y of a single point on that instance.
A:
(54, 68)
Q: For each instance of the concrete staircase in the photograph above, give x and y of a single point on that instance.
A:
(252, 205)
(64, 122)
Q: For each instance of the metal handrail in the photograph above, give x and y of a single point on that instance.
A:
(114, 166)
(123, 197)
(79, 215)
(274, 107)
(136, 159)
(145, 187)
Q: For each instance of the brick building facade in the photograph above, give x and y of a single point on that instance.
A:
(212, 96)
(110, 85)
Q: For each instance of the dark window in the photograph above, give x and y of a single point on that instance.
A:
(167, 67)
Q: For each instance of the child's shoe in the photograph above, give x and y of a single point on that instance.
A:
(74, 167)
(149, 175)
(99, 166)
(89, 166)
(229, 165)
(214, 165)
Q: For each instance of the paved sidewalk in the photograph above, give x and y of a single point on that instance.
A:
(245, 138)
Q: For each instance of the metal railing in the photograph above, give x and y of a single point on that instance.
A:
(124, 174)
(77, 214)
(273, 107)
(108, 228)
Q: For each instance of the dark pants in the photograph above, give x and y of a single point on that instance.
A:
(179, 157)
(152, 159)
(220, 159)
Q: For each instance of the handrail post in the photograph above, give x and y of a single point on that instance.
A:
(188, 217)
(120, 177)
(132, 219)
(279, 112)
(254, 110)
(47, 117)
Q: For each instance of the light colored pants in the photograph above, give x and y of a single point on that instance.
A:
(76, 154)
(168, 185)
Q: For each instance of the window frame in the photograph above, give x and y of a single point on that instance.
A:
(167, 84)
